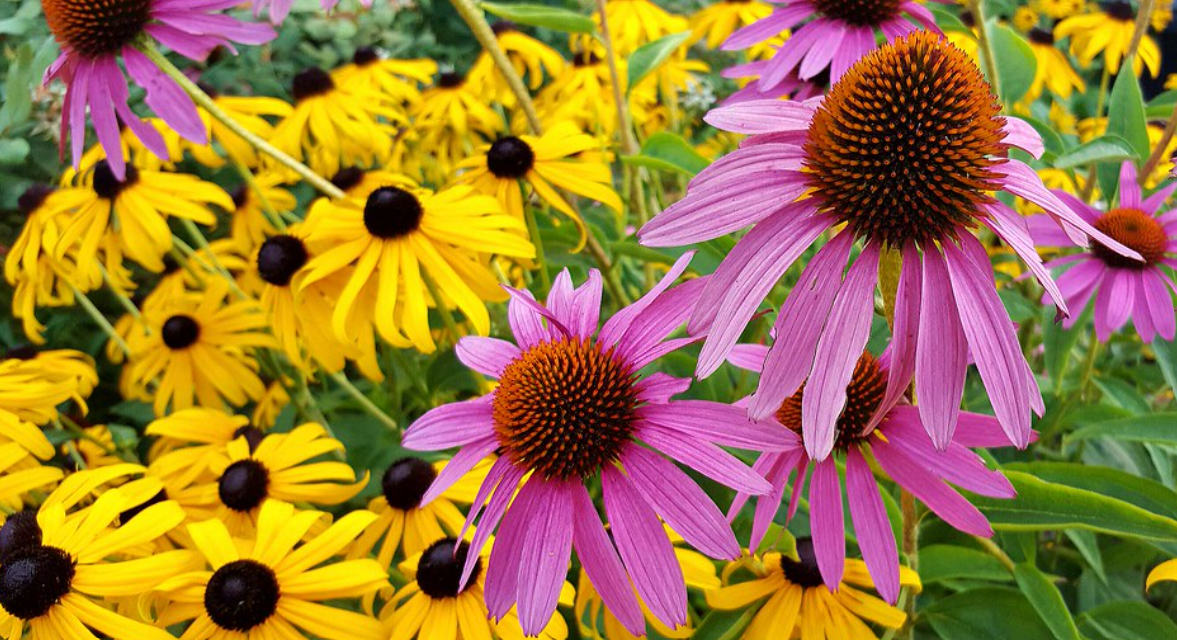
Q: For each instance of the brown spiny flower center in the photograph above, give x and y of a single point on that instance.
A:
(1136, 230)
(863, 395)
(96, 27)
(863, 13)
(565, 408)
(902, 147)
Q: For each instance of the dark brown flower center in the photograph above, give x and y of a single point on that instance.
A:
(1038, 35)
(180, 332)
(241, 595)
(33, 198)
(510, 158)
(803, 571)
(129, 514)
(20, 531)
(450, 80)
(310, 83)
(279, 258)
(244, 485)
(565, 408)
(365, 56)
(1120, 10)
(347, 178)
(392, 212)
(439, 572)
(863, 13)
(33, 579)
(1136, 230)
(96, 27)
(406, 481)
(863, 395)
(106, 185)
(902, 146)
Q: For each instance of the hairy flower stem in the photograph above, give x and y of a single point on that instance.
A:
(100, 319)
(206, 102)
(628, 144)
(986, 47)
(910, 550)
(363, 400)
(482, 32)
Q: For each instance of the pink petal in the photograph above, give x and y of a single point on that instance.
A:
(761, 116)
(507, 482)
(769, 27)
(547, 549)
(826, 520)
(488, 356)
(749, 357)
(1012, 228)
(599, 560)
(659, 388)
(616, 327)
(1129, 190)
(872, 527)
(768, 505)
(502, 570)
(1160, 301)
(939, 497)
(722, 424)
(942, 354)
(956, 464)
(905, 334)
(704, 457)
(461, 464)
(1019, 133)
(452, 425)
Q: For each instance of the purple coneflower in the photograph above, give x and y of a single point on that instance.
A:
(569, 407)
(94, 34)
(279, 9)
(841, 32)
(903, 450)
(1122, 288)
(905, 151)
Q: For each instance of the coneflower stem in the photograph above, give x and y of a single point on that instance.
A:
(268, 209)
(992, 549)
(910, 549)
(628, 144)
(127, 304)
(1158, 151)
(482, 32)
(208, 104)
(545, 279)
(1143, 15)
(607, 270)
(986, 47)
(447, 317)
(369, 406)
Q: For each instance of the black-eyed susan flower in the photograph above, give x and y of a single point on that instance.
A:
(20, 473)
(1058, 9)
(268, 588)
(438, 605)
(403, 243)
(55, 564)
(29, 396)
(402, 521)
(29, 266)
(582, 94)
(531, 59)
(252, 471)
(715, 22)
(797, 604)
(251, 112)
(1109, 32)
(1054, 70)
(272, 403)
(95, 446)
(333, 127)
(562, 158)
(198, 347)
(398, 81)
(253, 206)
(633, 23)
(136, 210)
(189, 441)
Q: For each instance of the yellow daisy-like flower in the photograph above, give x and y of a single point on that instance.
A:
(96, 447)
(453, 117)
(251, 223)
(190, 440)
(596, 622)
(435, 605)
(20, 473)
(531, 58)
(249, 112)
(719, 20)
(403, 522)
(399, 81)
(133, 150)
(1058, 9)
(798, 604)
(29, 266)
(1054, 70)
(198, 346)
(1161, 16)
(30, 393)
(562, 158)
(1109, 32)
(1025, 19)
(266, 588)
(252, 472)
(1091, 128)
(633, 23)
(582, 94)
(60, 563)
(136, 211)
(1164, 572)
(409, 246)
(270, 406)
(332, 126)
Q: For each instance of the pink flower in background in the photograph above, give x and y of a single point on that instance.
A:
(899, 443)
(571, 405)
(907, 166)
(841, 32)
(94, 34)
(279, 9)
(1122, 288)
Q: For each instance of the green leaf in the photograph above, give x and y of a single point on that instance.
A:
(986, 614)
(1046, 505)
(1167, 358)
(1147, 494)
(1127, 621)
(941, 562)
(1050, 139)
(648, 57)
(122, 436)
(725, 625)
(1157, 428)
(667, 151)
(948, 22)
(1126, 119)
(777, 538)
(1015, 60)
(1047, 601)
(13, 150)
(537, 15)
(1088, 546)
(1103, 149)
(1058, 342)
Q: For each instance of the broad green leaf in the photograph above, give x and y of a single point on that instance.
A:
(1015, 61)
(1167, 358)
(538, 15)
(1047, 505)
(986, 614)
(1126, 119)
(648, 57)
(948, 22)
(778, 539)
(1050, 139)
(1047, 601)
(1088, 546)
(1058, 342)
(725, 625)
(941, 562)
(1127, 621)
(667, 151)
(13, 150)
(1157, 428)
(1102, 149)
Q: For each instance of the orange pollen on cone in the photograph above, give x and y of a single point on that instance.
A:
(96, 27)
(1136, 230)
(863, 396)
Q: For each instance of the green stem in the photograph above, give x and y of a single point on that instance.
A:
(447, 317)
(1158, 151)
(100, 320)
(992, 549)
(71, 448)
(208, 104)
(1089, 364)
(910, 550)
(1143, 14)
(219, 268)
(369, 406)
(545, 279)
(268, 209)
(611, 280)
(986, 47)
(625, 129)
(127, 304)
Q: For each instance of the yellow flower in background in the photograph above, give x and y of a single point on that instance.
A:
(275, 400)
(30, 393)
(29, 267)
(1162, 15)
(20, 473)
(1054, 70)
(1025, 19)
(398, 81)
(582, 94)
(1058, 9)
(796, 603)
(332, 127)
(436, 606)
(267, 587)
(248, 111)
(1109, 32)
(189, 440)
(563, 158)
(199, 350)
(452, 118)
(251, 224)
(1091, 128)
(717, 21)
(95, 446)
(408, 246)
(633, 23)
(1164, 572)
(532, 60)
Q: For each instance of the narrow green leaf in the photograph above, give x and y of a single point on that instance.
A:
(1058, 342)
(942, 562)
(1088, 546)
(725, 625)
(1103, 149)
(667, 151)
(648, 57)
(1158, 428)
(1015, 60)
(986, 614)
(1126, 119)
(13, 150)
(1047, 505)
(1047, 601)
(537, 15)
(948, 22)
(1167, 358)
(1127, 621)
